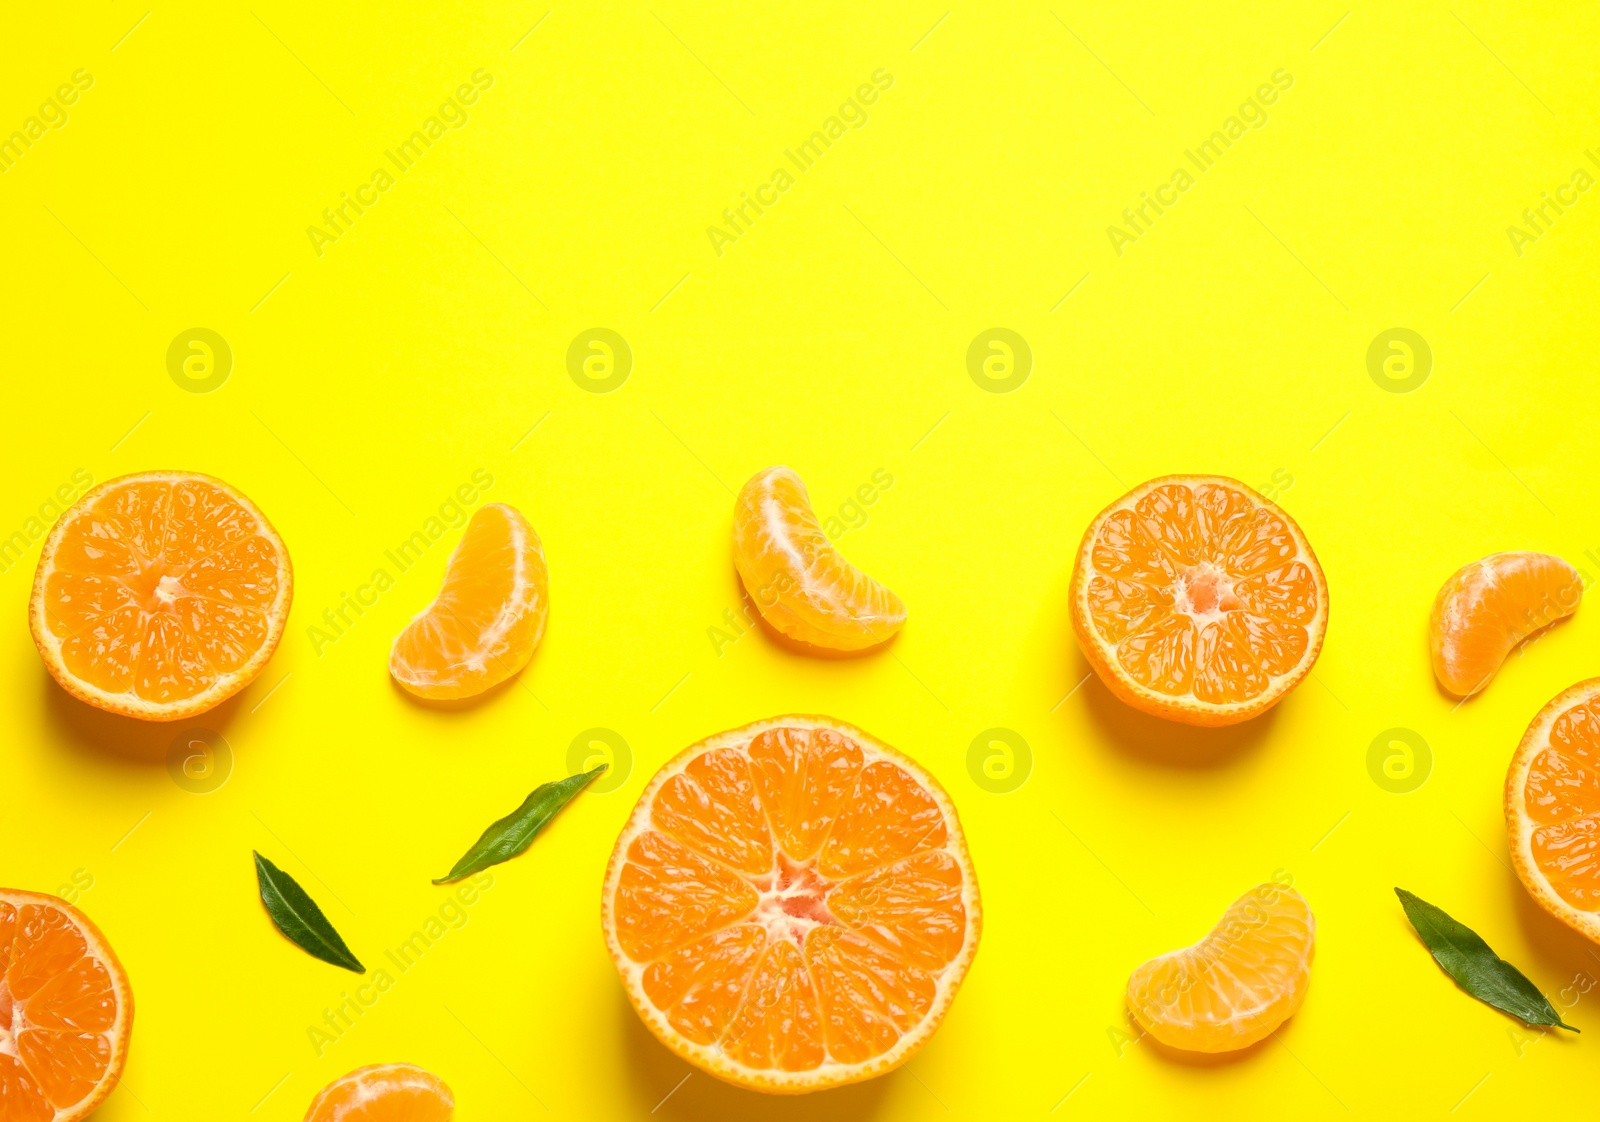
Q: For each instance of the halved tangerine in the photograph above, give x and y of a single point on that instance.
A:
(1198, 600)
(489, 615)
(66, 1011)
(798, 580)
(1238, 984)
(160, 595)
(1489, 606)
(384, 1093)
(1553, 808)
(791, 906)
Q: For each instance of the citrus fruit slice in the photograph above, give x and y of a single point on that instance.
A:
(1553, 808)
(1198, 600)
(1491, 605)
(1235, 986)
(66, 1011)
(160, 595)
(488, 617)
(799, 582)
(384, 1093)
(791, 905)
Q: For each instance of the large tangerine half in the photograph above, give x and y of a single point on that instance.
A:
(791, 905)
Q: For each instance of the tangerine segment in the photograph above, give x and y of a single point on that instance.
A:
(791, 906)
(66, 1011)
(160, 595)
(384, 1093)
(1553, 808)
(1491, 605)
(489, 615)
(1235, 986)
(799, 582)
(1198, 600)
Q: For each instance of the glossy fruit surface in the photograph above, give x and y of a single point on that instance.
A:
(66, 1011)
(384, 1093)
(791, 905)
(799, 582)
(1198, 600)
(1491, 605)
(489, 615)
(160, 595)
(1234, 987)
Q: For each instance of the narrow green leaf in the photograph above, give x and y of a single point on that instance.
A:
(515, 832)
(1477, 969)
(298, 917)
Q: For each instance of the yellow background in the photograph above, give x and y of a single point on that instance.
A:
(424, 344)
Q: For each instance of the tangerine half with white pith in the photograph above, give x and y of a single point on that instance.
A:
(791, 906)
(66, 1011)
(1198, 600)
(1552, 806)
(160, 595)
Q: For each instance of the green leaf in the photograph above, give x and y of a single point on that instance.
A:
(1477, 969)
(515, 832)
(298, 917)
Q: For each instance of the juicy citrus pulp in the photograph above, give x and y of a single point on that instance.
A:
(160, 595)
(1491, 605)
(384, 1093)
(1197, 600)
(791, 905)
(65, 1011)
(1553, 808)
(1235, 986)
(488, 617)
(799, 582)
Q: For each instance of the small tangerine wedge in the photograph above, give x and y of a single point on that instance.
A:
(66, 1011)
(1198, 600)
(1238, 984)
(1491, 605)
(489, 615)
(791, 906)
(160, 595)
(1553, 808)
(384, 1093)
(798, 580)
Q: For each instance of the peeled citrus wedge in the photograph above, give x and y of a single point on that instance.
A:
(160, 595)
(1235, 986)
(66, 1011)
(1198, 600)
(791, 906)
(799, 582)
(1490, 606)
(1553, 808)
(488, 617)
(384, 1093)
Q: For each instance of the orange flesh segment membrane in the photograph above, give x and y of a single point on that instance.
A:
(1198, 600)
(1491, 605)
(1238, 984)
(160, 595)
(797, 579)
(794, 902)
(489, 616)
(384, 1093)
(65, 1011)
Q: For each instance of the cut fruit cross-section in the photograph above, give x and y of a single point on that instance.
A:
(160, 595)
(489, 616)
(384, 1093)
(1553, 808)
(1235, 986)
(66, 1011)
(791, 905)
(798, 581)
(1491, 605)
(1198, 600)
